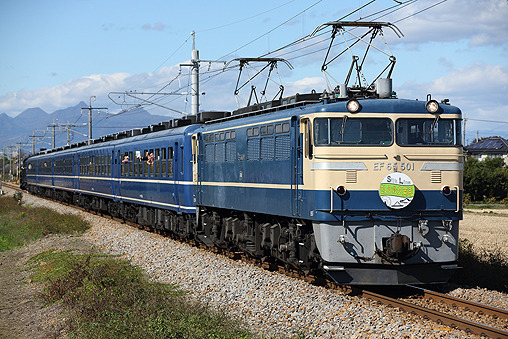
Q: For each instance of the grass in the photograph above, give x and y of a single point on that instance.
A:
(108, 298)
(482, 268)
(20, 225)
(102, 296)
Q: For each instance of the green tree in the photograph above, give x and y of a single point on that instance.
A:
(486, 179)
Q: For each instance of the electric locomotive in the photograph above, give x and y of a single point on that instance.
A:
(367, 190)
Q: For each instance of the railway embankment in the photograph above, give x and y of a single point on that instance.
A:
(271, 304)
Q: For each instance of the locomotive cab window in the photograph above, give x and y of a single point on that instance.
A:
(428, 132)
(347, 131)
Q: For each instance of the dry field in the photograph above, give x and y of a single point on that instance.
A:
(486, 230)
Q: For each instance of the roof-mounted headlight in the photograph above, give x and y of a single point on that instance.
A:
(353, 106)
(432, 106)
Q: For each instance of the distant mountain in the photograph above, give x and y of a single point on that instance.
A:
(12, 130)
(32, 117)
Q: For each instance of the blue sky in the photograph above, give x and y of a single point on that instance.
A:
(57, 53)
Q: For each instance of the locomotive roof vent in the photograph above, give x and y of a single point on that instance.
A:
(166, 124)
(158, 127)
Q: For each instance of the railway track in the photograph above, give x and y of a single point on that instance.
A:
(442, 318)
(383, 296)
(14, 187)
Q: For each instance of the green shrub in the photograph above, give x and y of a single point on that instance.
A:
(482, 268)
(20, 224)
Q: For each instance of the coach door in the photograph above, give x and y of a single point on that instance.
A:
(177, 173)
(75, 172)
(115, 173)
(196, 167)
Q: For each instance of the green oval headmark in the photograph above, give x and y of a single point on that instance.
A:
(395, 190)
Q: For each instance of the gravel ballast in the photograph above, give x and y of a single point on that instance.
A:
(269, 302)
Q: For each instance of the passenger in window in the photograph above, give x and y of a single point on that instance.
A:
(125, 159)
(150, 159)
(143, 158)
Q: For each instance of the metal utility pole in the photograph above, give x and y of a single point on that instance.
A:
(67, 127)
(10, 168)
(3, 164)
(53, 125)
(34, 137)
(194, 77)
(90, 108)
(194, 92)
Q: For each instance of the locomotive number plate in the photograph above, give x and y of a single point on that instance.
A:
(394, 166)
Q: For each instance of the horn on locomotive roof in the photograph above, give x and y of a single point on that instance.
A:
(271, 63)
(380, 87)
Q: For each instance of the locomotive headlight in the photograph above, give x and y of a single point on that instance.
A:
(446, 190)
(353, 106)
(341, 190)
(432, 106)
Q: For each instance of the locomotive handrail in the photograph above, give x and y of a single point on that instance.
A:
(458, 198)
(350, 156)
(430, 156)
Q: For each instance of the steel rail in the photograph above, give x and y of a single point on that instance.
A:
(13, 186)
(459, 302)
(469, 327)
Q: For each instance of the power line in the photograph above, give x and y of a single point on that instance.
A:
(273, 29)
(242, 20)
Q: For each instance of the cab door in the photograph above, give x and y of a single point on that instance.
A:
(296, 166)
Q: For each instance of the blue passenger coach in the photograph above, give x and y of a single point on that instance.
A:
(146, 178)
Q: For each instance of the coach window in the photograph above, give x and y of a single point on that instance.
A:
(157, 162)
(163, 162)
(135, 161)
(181, 159)
(108, 165)
(144, 159)
(123, 165)
(170, 162)
(150, 162)
(130, 163)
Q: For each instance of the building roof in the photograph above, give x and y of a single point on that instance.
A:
(492, 145)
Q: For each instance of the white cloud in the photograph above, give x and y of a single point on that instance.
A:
(73, 91)
(478, 90)
(158, 26)
(479, 22)
(305, 85)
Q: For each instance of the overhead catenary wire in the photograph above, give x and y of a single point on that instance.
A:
(211, 74)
